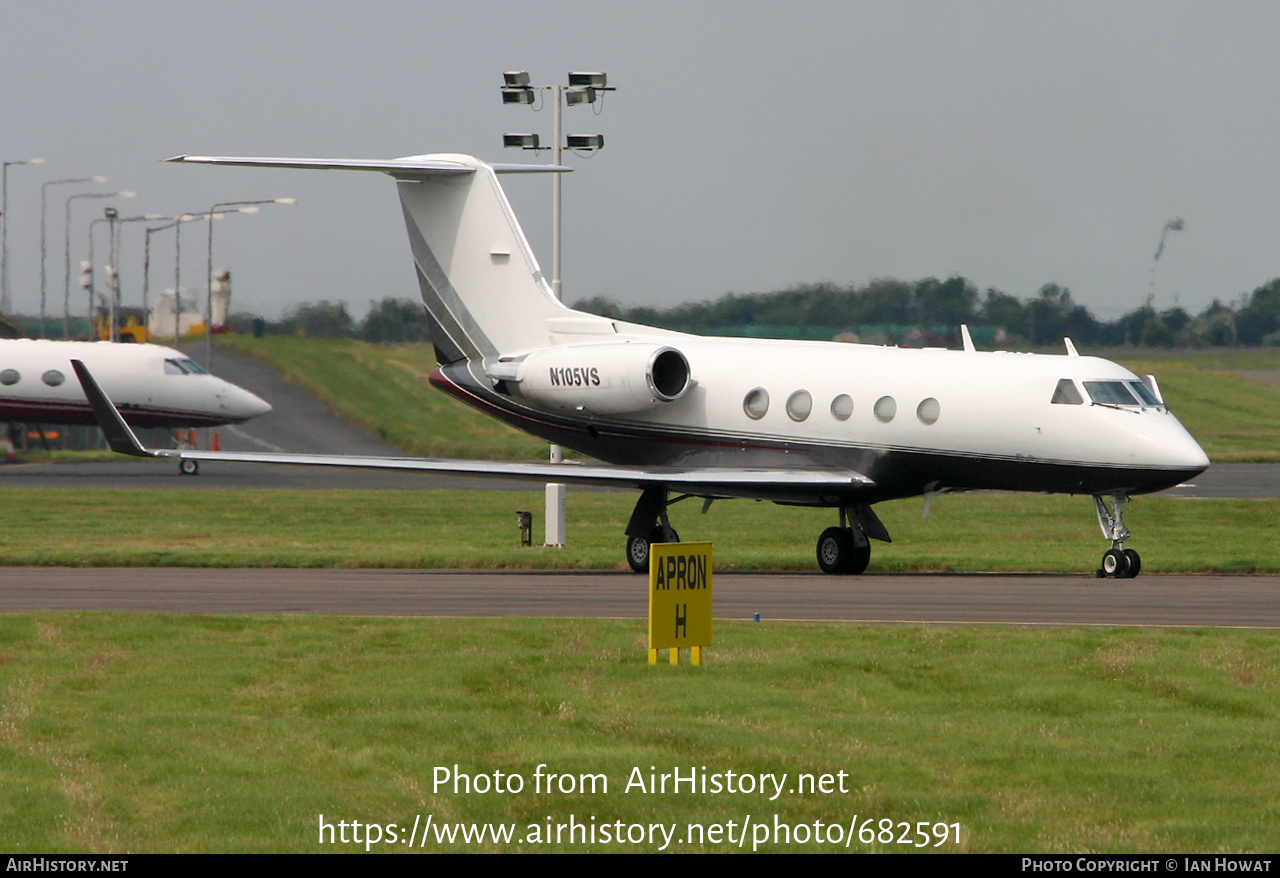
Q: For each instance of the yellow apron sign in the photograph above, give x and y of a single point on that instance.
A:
(679, 599)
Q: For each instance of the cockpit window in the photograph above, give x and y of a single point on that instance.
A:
(1110, 393)
(183, 366)
(1066, 393)
(1144, 393)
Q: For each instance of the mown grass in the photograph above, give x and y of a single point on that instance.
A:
(145, 733)
(477, 529)
(385, 389)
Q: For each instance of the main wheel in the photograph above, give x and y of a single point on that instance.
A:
(638, 554)
(1115, 564)
(638, 547)
(836, 550)
(188, 467)
(1135, 563)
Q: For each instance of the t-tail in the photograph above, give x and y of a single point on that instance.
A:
(482, 287)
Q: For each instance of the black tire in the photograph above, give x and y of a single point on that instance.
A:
(1135, 563)
(861, 557)
(836, 550)
(188, 467)
(1115, 564)
(638, 547)
(638, 554)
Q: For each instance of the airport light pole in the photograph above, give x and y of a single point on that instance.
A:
(43, 238)
(243, 207)
(583, 88)
(66, 256)
(4, 229)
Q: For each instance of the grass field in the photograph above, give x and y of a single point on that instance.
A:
(124, 733)
(972, 532)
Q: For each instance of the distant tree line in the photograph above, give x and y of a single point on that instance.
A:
(930, 311)
(884, 311)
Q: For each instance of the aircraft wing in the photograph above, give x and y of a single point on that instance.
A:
(711, 481)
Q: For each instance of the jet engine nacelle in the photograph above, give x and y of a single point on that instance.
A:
(605, 379)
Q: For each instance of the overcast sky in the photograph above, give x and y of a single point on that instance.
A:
(749, 146)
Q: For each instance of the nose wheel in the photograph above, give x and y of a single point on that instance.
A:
(1118, 562)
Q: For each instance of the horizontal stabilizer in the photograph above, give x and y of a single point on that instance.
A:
(413, 166)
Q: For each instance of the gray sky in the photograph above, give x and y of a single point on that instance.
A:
(750, 146)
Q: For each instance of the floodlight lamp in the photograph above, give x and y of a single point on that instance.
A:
(285, 201)
(520, 141)
(587, 80)
(515, 78)
(517, 96)
(575, 96)
(35, 161)
(99, 179)
(127, 194)
(85, 265)
(110, 213)
(585, 141)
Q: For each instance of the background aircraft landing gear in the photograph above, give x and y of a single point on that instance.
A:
(188, 467)
(1118, 562)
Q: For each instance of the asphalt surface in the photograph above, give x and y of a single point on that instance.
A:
(1163, 601)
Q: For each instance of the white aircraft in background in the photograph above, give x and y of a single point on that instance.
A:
(842, 426)
(153, 386)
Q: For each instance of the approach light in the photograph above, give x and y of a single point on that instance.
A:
(520, 141)
(587, 80)
(517, 96)
(516, 79)
(585, 141)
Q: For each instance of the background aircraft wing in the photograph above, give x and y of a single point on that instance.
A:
(715, 481)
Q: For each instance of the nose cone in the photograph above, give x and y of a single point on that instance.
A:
(239, 405)
(1167, 446)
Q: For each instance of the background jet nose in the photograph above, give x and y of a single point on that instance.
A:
(240, 404)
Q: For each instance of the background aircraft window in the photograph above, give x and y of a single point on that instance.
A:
(799, 404)
(173, 367)
(193, 367)
(53, 378)
(1144, 393)
(10, 377)
(842, 407)
(1109, 393)
(886, 407)
(928, 411)
(1066, 393)
(756, 403)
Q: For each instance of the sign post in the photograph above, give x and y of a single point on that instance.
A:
(680, 597)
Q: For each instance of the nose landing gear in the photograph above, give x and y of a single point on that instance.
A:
(1118, 562)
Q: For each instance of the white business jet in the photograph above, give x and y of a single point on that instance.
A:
(679, 416)
(153, 386)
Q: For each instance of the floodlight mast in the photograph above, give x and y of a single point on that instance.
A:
(582, 88)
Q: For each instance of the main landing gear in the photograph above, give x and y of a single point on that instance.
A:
(649, 524)
(847, 549)
(1118, 562)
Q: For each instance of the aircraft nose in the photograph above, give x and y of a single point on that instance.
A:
(241, 405)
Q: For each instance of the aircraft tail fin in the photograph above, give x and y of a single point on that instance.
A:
(480, 282)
